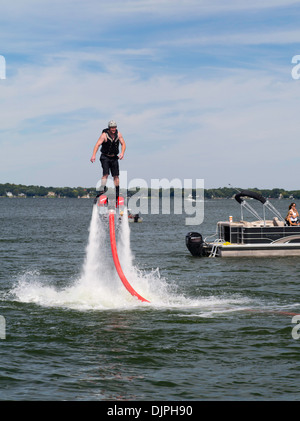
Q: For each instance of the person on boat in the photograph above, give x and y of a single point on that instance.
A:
(292, 217)
(109, 141)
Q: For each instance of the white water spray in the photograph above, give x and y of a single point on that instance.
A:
(98, 286)
(97, 267)
(123, 245)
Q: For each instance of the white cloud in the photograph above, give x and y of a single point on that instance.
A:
(226, 125)
(267, 37)
(102, 8)
(233, 127)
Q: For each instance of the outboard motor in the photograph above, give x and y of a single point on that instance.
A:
(194, 243)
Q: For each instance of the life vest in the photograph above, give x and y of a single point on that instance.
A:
(111, 146)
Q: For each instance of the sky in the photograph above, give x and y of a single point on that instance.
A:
(200, 89)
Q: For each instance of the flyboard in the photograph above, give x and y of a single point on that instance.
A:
(104, 208)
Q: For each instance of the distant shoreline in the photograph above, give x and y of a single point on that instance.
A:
(22, 191)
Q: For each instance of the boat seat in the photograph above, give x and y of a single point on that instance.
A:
(278, 223)
(253, 224)
(268, 223)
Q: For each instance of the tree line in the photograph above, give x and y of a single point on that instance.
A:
(227, 192)
(20, 190)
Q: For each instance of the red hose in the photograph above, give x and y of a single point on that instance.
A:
(116, 258)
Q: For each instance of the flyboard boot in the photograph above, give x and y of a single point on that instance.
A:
(101, 201)
(119, 199)
(107, 201)
(102, 190)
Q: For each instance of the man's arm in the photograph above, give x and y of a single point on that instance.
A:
(123, 144)
(98, 144)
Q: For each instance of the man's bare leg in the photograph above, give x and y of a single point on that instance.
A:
(116, 182)
(102, 188)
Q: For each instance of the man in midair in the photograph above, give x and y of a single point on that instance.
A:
(110, 140)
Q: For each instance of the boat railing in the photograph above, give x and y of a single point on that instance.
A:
(244, 232)
(208, 238)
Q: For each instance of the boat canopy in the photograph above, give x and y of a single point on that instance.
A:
(254, 195)
(251, 194)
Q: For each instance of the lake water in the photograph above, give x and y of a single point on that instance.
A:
(215, 329)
